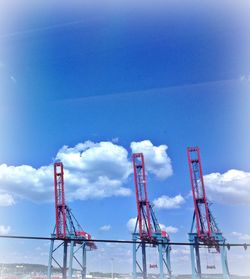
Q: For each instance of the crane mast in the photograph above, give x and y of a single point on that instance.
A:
(60, 206)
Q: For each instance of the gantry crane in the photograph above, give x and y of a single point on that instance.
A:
(147, 229)
(67, 232)
(204, 229)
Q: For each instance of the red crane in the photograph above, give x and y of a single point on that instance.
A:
(67, 230)
(207, 231)
(205, 223)
(149, 230)
(143, 206)
(60, 206)
(66, 224)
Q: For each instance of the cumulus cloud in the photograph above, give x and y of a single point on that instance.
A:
(91, 170)
(4, 230)
(179, 251)
(26, 181)
(156, 158)
(241, 236)
(96, 170)
(105, 228)
(97, 159)
(6, 200)
(168, 229)
(131, 224)
(231, 187)
(104, 159)
(167, 202)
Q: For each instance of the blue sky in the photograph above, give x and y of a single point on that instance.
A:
(175, 74)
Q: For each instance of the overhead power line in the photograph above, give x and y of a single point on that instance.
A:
(244, 245)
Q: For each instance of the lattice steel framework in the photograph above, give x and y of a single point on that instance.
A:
(204, 228)
(67, 232)
(147, 228)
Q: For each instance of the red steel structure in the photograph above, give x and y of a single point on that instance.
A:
(202, 214)
(207, 231)
(143, 210)
(60, 207)
(68, 231)
(149, 231)
(66, 224)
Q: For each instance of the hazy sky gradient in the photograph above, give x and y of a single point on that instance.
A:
(175, 73)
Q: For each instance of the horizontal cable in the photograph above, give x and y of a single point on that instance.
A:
(121, 241)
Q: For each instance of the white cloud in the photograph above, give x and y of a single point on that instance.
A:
(27, 182)
(104, 159)
(168, 229)
(131, 224)
(4, 230)
(95, 170)
(179, 251)
(105, 228)
(92, 170)
(156, 158)
(167, 202)
(241, 236)
(6, 200)
(231, 187)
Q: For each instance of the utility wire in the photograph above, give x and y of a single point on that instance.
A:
(245, 245)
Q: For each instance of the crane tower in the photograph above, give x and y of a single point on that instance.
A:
(204, 229)
(68, 232)
(147, 229)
